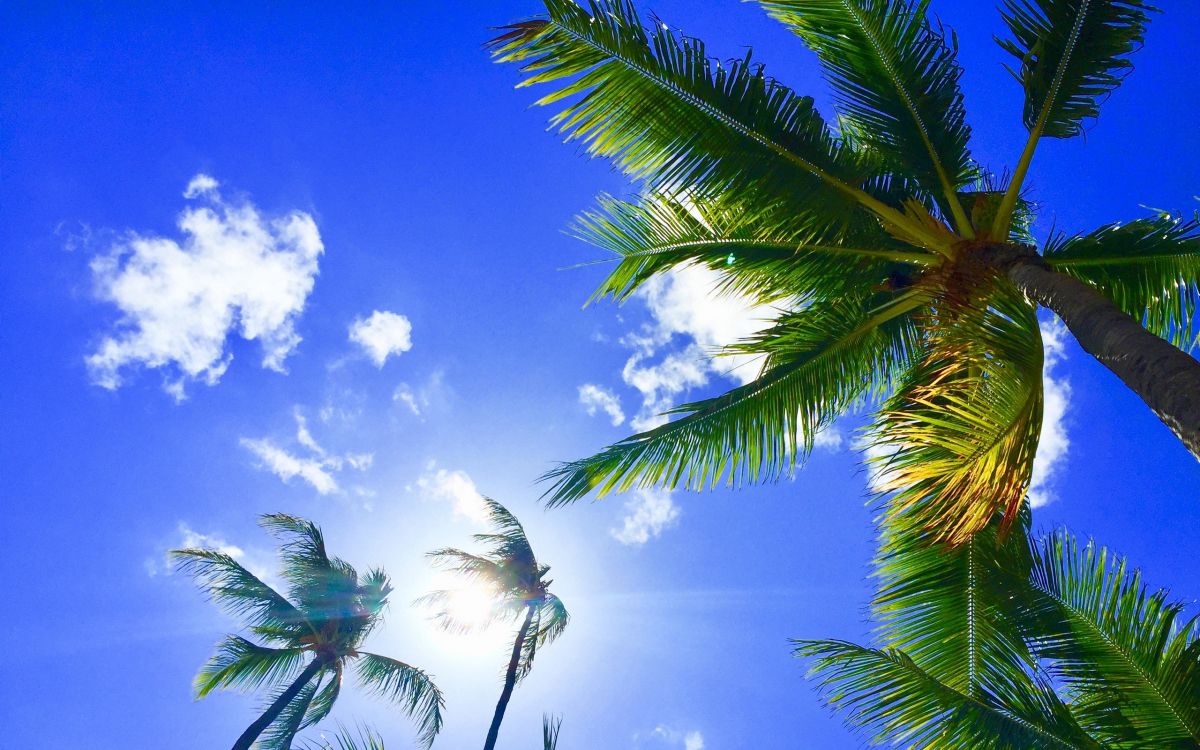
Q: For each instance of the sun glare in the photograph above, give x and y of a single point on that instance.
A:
(471, 606)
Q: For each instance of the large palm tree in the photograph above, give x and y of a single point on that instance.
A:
(312, 635)
(1049, 644)
(903, 272)
(512, 574)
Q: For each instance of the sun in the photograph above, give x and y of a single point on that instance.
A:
(471, 606)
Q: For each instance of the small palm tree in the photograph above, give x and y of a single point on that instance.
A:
(1049, 644)
(518, 581)
(901, 271)
(313, 634)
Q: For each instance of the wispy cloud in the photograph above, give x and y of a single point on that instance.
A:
(1054, 442)
(455, 488)
(431, 394)
(382, 335)
(647, 514)
(232, 271)
(671, 737)
(595, 398)
(189, 538)
(317, 468)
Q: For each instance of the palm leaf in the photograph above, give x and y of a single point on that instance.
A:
(408, 686)
(962, 434)
(291, 720)
(896, 81)
(1131, 666)
(364, 739)
(550, 728)
(242, 665)
(550, 619)
(241, 593)
(1150, 268)
(887, 695)
(664, 112)
(761, 249)
(757, 431)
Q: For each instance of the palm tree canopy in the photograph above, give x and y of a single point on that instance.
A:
(868, 237)
(510, 571)
(1020, 644)
(327, 613)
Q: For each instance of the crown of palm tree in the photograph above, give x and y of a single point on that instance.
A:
(885, 247)
(316, 629)
(510, 571)
(1014, 645)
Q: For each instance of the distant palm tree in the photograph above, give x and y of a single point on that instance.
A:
(1017, 645)
(522, 593)
(314, 632)
(895, 265)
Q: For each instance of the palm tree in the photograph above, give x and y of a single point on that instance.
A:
(511, 572)
(903, 273)
(1049, 644)
(314, 633)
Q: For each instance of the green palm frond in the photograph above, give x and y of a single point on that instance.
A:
(240, 592)
(1071, 55)
(962, 435)
(1150, 268)
(896, 80)
(510, 545)
(890, 698)
(835, 354)
(664, 112)
(324, 699)
(1131, 666)
(242, 665)
(952, 610)
(364, 738)
(759, 248)
(280, 734)
(550, 619)
(407, 686)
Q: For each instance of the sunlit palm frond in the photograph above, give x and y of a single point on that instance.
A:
(1071, 54)
(896, 80)
(280, 734)
(664, 112)
(324, 699)
(550, 619)
(758, 431)
(241, 593)
(886, 695)
(239, 664)
(509, 545)
(959, 440)
(407, 686)
(760, 249)
(1128, 660)
(1150, 268)
(953, 610)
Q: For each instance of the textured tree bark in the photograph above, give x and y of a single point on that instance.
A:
(1166, 378)
(510, 681)
(254, 730)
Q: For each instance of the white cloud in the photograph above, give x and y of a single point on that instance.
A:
(407, 396)
(382, 335)
(1054, 441)
(232, 271)
(189, 538)
(432, 394)
(317, 468)
(647, 514)
(690, 322)
(454, 487)
(687, 740)
(286, 466)
(596, 398)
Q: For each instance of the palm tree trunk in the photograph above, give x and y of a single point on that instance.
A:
(510, 681)
(251, 734)
(1166, 378)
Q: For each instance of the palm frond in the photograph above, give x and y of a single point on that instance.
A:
(962, 435)
(240, 664)
(241, 593)
(364, 738)
(407, 686)
(757, 431)
(281, 732)
(324, 699)
(549, 621)
(1131, 666)
(952, 611)
(1150, 268)
(1071, 54)
(550, 728)
(474, 568)
(896, 80)
(664, 112)
(890, 698)
(760, 248)
(508, 542)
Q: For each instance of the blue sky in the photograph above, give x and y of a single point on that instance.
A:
(417, 341)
